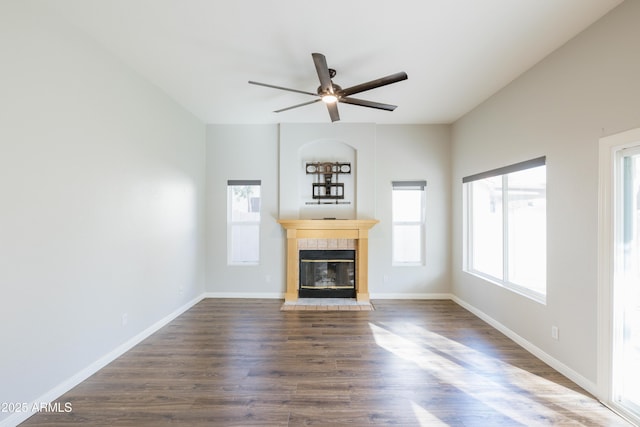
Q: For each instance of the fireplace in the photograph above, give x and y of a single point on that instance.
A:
(327, 274)
(328, 230)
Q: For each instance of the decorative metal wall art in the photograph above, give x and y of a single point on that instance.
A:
(327, 189)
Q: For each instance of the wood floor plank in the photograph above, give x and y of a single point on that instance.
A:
(244, 362)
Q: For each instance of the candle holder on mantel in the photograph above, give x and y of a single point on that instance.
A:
(327, 189)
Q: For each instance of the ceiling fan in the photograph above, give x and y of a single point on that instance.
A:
(332, 93)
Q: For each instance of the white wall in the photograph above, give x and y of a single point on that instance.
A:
(560, 108)
(412, 152)
(243, 152)
(383, 153)
(101, 183)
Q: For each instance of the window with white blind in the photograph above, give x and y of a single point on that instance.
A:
(506, 227)
(408, 222)
(243, 222)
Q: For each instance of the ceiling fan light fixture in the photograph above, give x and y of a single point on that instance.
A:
(329, 98)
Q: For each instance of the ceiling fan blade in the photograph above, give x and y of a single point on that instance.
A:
(283, 88)
(323, 72)
(333, 111)
(383, 81)
(371, 104)
(298, 105)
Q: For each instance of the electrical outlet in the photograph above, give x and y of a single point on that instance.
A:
(385, 278)
(555, 333)
(125, 319)
(267, 278)
(181, 290)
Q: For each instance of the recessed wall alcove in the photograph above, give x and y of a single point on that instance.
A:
(327, 151)
(326, 142)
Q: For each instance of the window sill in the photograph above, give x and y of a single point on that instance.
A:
(539, 298)
(407, 264)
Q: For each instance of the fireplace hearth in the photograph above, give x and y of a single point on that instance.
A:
(327, 274)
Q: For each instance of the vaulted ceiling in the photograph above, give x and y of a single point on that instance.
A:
(456, 53)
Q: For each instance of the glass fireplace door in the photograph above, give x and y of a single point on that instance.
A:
(327, 273)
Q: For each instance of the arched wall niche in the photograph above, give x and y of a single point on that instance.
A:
(353, 142)
(327, 150)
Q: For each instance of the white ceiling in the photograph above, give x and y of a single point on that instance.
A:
(457, 53)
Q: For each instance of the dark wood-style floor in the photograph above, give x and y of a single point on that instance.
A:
(408, 363)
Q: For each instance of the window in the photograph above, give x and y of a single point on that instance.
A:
(243, 222)
(626, 311)
(407, 210)
(506, 226)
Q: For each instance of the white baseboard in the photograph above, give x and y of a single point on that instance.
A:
(280, 295)
(245, 295)
(85, 373)
(375, 296)
(583, 382)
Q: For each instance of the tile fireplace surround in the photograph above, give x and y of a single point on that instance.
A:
(329, 230)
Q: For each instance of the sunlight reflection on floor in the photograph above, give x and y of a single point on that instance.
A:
(482, 377)
(424, 417)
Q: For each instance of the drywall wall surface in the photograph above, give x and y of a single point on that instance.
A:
(241, 152)
(412, 152)
(101, 218)
(587, 89)
(385, 153)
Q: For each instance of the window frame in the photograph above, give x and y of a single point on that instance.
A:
(468, 232)
(231, 223)
(410, 185)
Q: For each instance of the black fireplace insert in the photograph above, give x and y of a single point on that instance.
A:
(327, 274)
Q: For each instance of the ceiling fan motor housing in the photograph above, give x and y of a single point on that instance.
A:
(336, 90)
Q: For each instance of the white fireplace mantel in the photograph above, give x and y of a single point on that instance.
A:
(357, 229)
